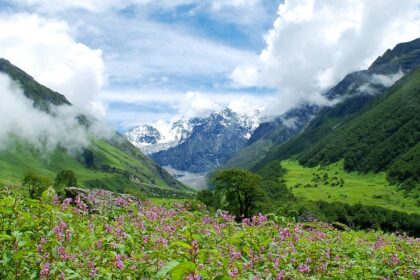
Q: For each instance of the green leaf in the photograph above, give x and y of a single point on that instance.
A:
(222, 277)
(182, 244)
(166, 268)
(5, 237)
(181, 270)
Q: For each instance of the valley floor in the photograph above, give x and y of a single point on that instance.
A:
(50, 239)
(345, 187)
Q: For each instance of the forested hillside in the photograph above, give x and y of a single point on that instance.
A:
(370, 131)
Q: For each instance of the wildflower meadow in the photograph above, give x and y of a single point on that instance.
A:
(128, 239)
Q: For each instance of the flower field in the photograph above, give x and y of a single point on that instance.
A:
(52, 239)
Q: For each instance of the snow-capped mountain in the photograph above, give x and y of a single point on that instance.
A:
(197, 144)
(152, 139)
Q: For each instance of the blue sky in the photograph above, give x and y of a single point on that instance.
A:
(154, 48)
(133, 62)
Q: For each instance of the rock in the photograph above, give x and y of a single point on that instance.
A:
(95, 199)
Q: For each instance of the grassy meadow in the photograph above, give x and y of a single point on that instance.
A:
(347, 187)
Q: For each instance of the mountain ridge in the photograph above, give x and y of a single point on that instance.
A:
(111, 163)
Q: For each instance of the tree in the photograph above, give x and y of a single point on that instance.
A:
(34, 184)
(209, 198)
(64, 179)
(241, 190)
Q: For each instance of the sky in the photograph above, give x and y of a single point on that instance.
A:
(132, 62)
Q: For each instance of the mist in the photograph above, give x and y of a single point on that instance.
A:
(45, 132)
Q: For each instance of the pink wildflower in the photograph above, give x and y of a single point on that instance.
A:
(233, 272)
(280, 275)
(303, 268)
(118, 262)
(45, 271)
(235, 255)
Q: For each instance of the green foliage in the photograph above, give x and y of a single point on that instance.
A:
(64, 179)
(241, 189)
(210, 198)
(113, 166)
(370, 133)
(35, 185)
(347, 187)
(385, 132)
(42, 240)
(104, 160)
(42, 96)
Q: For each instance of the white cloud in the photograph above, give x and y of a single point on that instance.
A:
(150, 52)
(245, 75)
(387, 80)
(20, 119)
(98, 6)
(196, 104)
(181, 105)
(46, 49)
(314, 43)
(240, 12)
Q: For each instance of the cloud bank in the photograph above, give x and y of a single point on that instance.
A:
(313, 44)
(19, 119)
(46, 49)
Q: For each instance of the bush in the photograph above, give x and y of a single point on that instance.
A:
(64, 179)
(35, 185)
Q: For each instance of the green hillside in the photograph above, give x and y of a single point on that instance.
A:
(114, 169)
(332, 183)
(379, 137)
(112, 164)
(382, 136)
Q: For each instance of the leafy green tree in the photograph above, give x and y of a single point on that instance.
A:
(209, 198)
(241, 190)
(64, 179)
(35, 184)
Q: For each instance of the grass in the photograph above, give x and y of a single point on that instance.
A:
(126, 239)
(167, 201)
(368, 189)
(20, 159)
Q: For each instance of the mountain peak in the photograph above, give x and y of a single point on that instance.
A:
(42, 96)
(396, 56)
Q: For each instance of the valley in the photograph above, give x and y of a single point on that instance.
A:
(220, 140)
(324, 183)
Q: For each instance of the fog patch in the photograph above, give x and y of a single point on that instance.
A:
(387, 80)
(61, 128)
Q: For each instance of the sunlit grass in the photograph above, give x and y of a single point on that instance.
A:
(368, 189)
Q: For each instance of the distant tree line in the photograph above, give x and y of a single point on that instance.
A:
(244, 194)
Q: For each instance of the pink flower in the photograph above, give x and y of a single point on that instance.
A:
(118, 262)
(108, 228)
(259, 219)
(45, 271)
(206, 220)
(233, 272)
(324, 266)
(235, 255)
(98, 244)
(68, 235)
(303, 268)
(394, 259)
(61, 252)
(66, 203)
(55, 200)
(93, 272)
(193, 276)
(281, 275)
